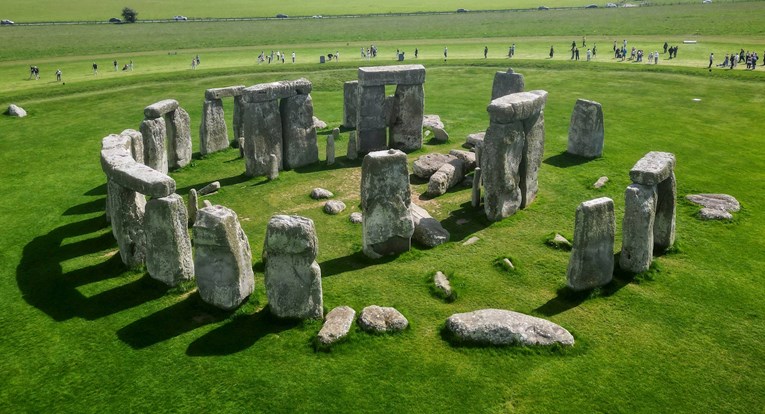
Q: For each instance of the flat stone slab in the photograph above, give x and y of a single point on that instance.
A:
(467, 158)
(653, 168)
(475, 139)
(427, 165)
(714, 214)
(118, 164)
(516, 106)
(209, 188)
(503, 327)
(471, 241)
(722, 202)
(336, 326)
(160, 108)
(442, 284)
(433, 123)
(319, 193)
(264, 92)
(389, 75)
(601, 182)
(382, 319)
(227, 92)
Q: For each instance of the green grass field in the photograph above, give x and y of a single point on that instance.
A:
(80, 333)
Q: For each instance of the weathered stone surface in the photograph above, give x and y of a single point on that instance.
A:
(500, 163)
(442, 284)
(298, 133)
(120, 167)
(238, 121)
(371, 120)
(468, 159)
(159, 109)
(209, 188)
(266, 92)
(585, 132)
(223, 261)
(350, 103)
(168, 246)
(449, 175)
(193, 206)
(320, 193)
(355, 218)
(126, 208)
(318, 123)
(292, 276)
(220, 93)
(504, 327)
(406, 120)
(136, 144)
(15, 110)
(475, 196)
(722, 202)
(560, 242)
(352, 152)
(385, 199)
(273, 167)
(206, 203)
(707, 213)
(330, 149)
(433, 123)
(334, 207)
(179, 139)
(427, 165)
(653, 168)
(508, 264)
(666, 206)
(637, 228)
(601, 182)
(475, 139)
(533, 152)
(336, 326)
(592, 258)
(382, 319)
(391, 75)
(517, 106)
(154, 132)
(262, 129)
(471, 241)
(427, 230)
(506, 83)
(213, 133)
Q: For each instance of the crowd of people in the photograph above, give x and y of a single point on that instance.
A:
(732, 60)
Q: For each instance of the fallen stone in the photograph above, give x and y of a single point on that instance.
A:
(502, 327)
(475, 139)
(337, 325)
(382, 319)
(585, 132)
(355, 218)
(508, 264)
(168, 253)
(653, 168)
(427, 165)
(592, 257)
(707, 213)
(158, 109)
(470, 241)
(318, 123)
(468, 159)
(601, 182)
(442, 285)
(427, 230)
(209, 188)
(449, 175)
(320, 193)
(433, 123)
(15, 110)
(334, 207)
(722, 202)
(560, 242)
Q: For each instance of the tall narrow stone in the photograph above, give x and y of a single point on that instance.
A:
(292, 276)
(154, 132)
(298, 132)
(506, 83)
(585, 132)
(126, 209)
(238, 117)
(592, 257)
(353, 148)
(262, 136)
(475, 199)
(371, 122)
(193, 206)
(407, 117)
(213, 133)
(533, 153)
(387, 225)
(330, 149)
(179, 139)
(223, 261)
(350, 103)
(273, 167)
(637, 228)
(136, 144)
(666, 205)
(500, 162)
(168, 253)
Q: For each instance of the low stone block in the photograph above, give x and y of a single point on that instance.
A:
(382, 319)
(449, 175)
(499, 327)
(427, 165)
(337, 325)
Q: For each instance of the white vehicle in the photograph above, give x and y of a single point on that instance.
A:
(180, 18)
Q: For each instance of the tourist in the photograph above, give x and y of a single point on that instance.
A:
(711, 59)
(416, 52)
(594, 50)
(589, 55)
(197, 59)
(446, 52)
(293, 57)
(130, 65)
(485, 51)
(552, 52)
(576, 52)
(58, 75)
(584, 41)
(512, 50)
(95, 68)
(656, 57)
(665, 47)
(193, 63)
(115, 65)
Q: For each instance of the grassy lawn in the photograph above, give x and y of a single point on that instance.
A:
(82, 334)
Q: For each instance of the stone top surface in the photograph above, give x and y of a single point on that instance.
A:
(119, 166)
(517, 106)
(388, 75)
(264, 92)
(590, 204)
(504, 327)
(229, 91)
(653, 168)
(586, 102)
(389, 153)
(160, 108)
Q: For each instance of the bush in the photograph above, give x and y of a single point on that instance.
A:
(129, 15)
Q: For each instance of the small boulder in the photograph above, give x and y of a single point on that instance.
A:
(427, 165)
(508, 264)
(382, 319)
(337, 325)
(427, 230)
(318, 123)
(17, 111)
(433, 123)
(355, 218)
(502, 327)
(209, 188)
(443, 286)
(601, 182)
(470, 241)
(474, 139)
(559, 242)
(320, 194)
(334, 207)
(467, 158)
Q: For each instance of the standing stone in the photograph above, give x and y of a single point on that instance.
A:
(179, 139)
(371, 122)
(592, 258)
(273, 167)
(353, 147)
(238, 118)
(350, 103)
(387, 225)
(664, 224)
(330, 149)
(585, 133)
(154, 132)
(126, 208)
(223, 260)
(449, 175)
(407, 118)
(168, 256)
(193, 206)
(506, 83)
(500, 162)
(262, 135)
(292, 276)
(299, 135)
(533, 152)
(136, 144)
(637, 228)
(213, 134)
(475, 199)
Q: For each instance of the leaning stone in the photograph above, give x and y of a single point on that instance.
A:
(707, 213)
(585, 132)
(15, 110)
(227, 92)
(223, 261)
(666, 206)
(300, 145)
(158, 109)
(334, 207)
(449, 175)
(517, 106)
(592, 258)
(318, 123)
(292, 276)
(213, 133)
(330, 149)
(427, 230)
(471, 241)
(442, 285)
(601, 182)
(126, 208)
(637, 228)
(350, 103)
(320, 193)
(193, 206)
(209, 188)
(120, 167)
(179, 139)
(168, 253)
(385, 199)
(355, 218)
(722, 202)
(433, 123)
(475, 139)
(382, 319)
(273, 167)
(154, 132)
(506, 83)
(468, 159)
(427, 165)
(337, 325)
(353, 147)
(502, 327)
(653, 168)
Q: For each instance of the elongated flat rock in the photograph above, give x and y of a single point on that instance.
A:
(653, 168)
(118, 164)
(382, 319)
(219, 93)
(722, 202)
(277, 90)
(388, 75)
(516, 106)
(337, 325)
(504, 327)
(160, 108)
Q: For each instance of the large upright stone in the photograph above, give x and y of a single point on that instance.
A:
(585, 132)
(533, 153)
(292, 276)
(371, 122)
(154, 132)
(637, 228)
(213, 134)
(298, 133)
(592, 257)
(136, 144)
(223, 261)
(407, 117)
(238, 118)
(262, 136)
(179, 139)
(506, 83)
(350, 103)
(666, 205)
(126, 209)
(168, 252)
(502, 153)
(385, 198)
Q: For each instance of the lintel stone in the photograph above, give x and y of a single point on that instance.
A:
(160, 108)
(219, 93)
(390, 75)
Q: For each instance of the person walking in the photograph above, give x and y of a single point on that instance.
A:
(589, 55)
(485, 51)
(416, 52)
(552, 52)
(446, 52)
(576, 52)
(293, 57)
(512, 50)
(711, 59)
(115, 65)
(95, 68)
(58, 75)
